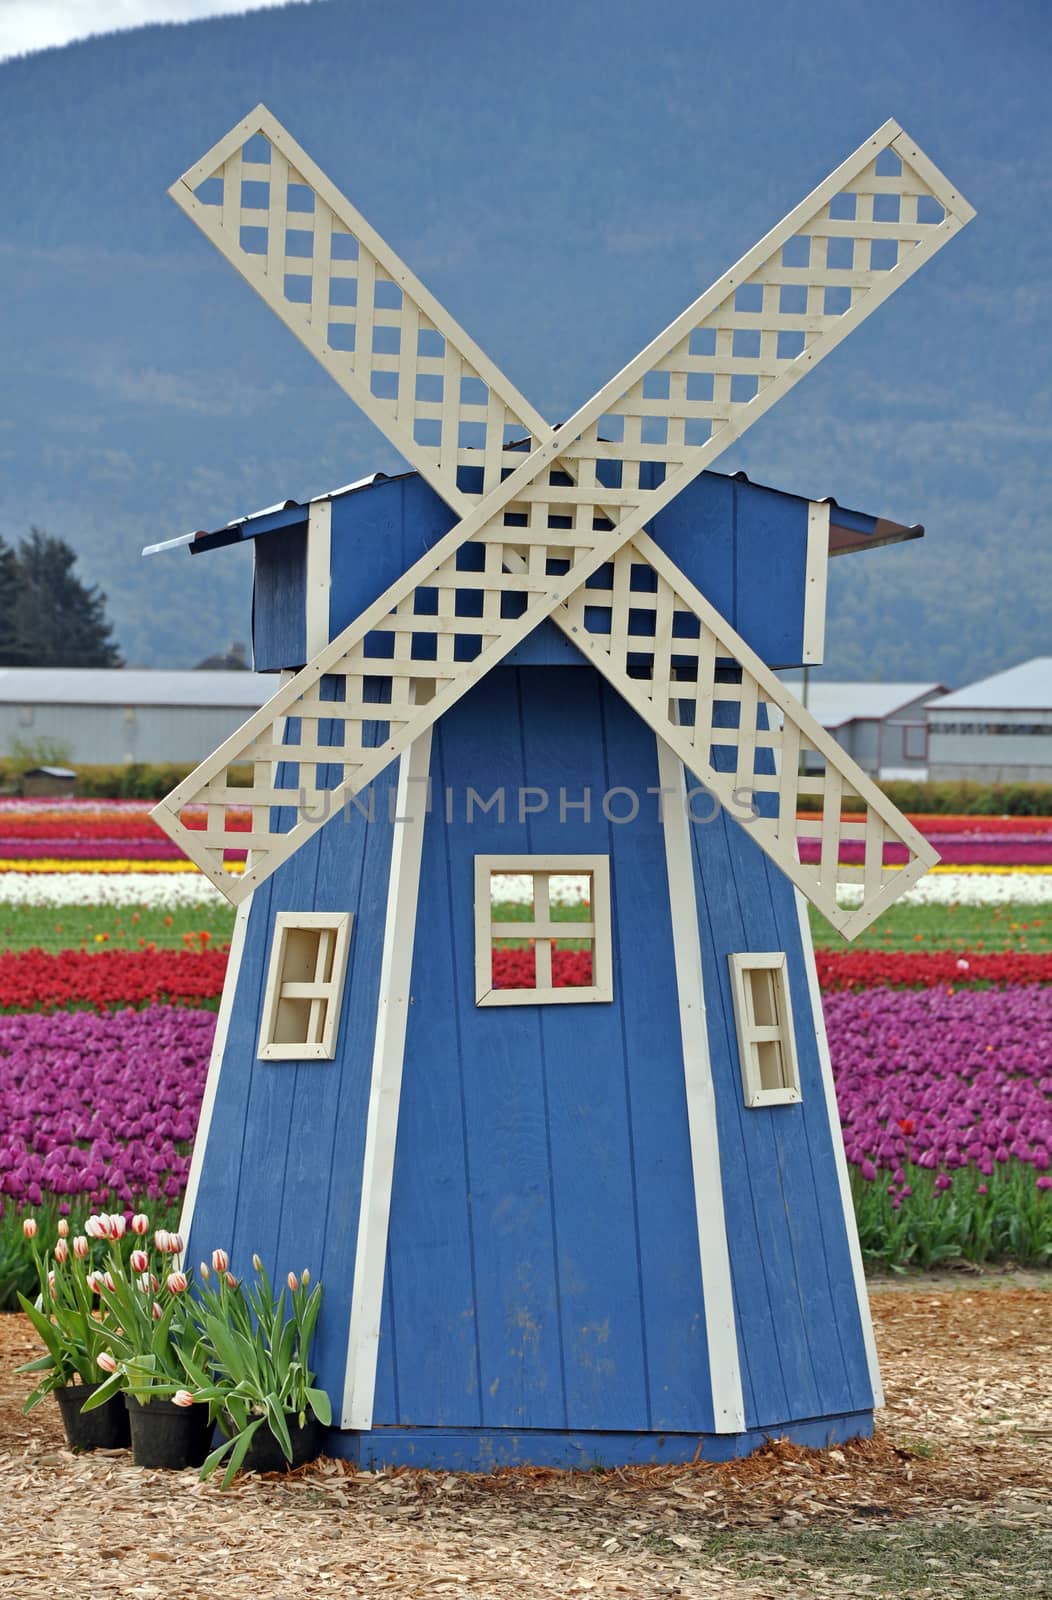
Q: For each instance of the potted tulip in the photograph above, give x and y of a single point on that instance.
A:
(152, 1335)
(253, 1369)
(71, 1321)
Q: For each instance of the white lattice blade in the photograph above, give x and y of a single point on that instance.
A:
(720, 651)
(541, 563)
(395, 345)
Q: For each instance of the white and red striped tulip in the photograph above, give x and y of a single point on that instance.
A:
(139, 1261)
(29, 1227)
(220, 1260)
(63, 1228)
(140, 1223)
(161, 1238)
(177, 1282)
(61, 1252)
(81, 1247)
(182, 1397)
(108, 1362)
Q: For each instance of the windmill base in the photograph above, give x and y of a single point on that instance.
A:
(482, 1449)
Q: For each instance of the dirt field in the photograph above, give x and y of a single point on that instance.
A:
(951, 1500)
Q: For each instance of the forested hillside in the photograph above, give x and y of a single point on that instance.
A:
(565, 178)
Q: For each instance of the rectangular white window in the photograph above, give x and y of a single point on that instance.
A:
(301, 1004)
(764, 1018)
(542, 930)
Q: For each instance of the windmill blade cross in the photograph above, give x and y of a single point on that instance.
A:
(577, 500)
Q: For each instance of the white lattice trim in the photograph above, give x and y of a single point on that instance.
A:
(686, 676)
(354, 303)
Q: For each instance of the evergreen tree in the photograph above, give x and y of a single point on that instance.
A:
(8, 600)
(57, 620)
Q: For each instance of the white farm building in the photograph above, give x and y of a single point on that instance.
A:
(115, 715)
(998, 730)
(880, 725)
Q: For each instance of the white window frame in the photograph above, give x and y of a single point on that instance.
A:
(751, 1034)
(543, 930)
(327, 993)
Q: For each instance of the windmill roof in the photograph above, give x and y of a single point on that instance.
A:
(834, 704)
(848, 530)
(129, 686)
(1026, 687)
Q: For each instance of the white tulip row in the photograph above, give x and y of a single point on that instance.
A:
(165, 890)
(967, 889)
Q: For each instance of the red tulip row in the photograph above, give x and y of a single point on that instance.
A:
(924, 969)
(134, 825)
(38, 980)
(837, 969)
(35, 980)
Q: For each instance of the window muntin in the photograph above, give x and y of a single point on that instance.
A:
(764, 1019)
(304, 992)
(532, 945)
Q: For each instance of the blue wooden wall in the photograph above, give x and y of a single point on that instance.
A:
(543, 1262)
(282, 1171)
(543, 1266)
(725, 533)
(279, 599)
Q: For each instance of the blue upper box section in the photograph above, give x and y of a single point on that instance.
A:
(745, 547)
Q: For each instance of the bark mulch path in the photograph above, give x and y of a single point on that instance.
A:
(952, 1498)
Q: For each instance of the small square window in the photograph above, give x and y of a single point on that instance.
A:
(764, 1019)
(301, 1004)
(542, 930)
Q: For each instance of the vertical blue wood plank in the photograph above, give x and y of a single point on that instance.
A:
(279, 599)
(787, 1132)
(520, 1351)
(678, 1373)
(432, 1304)
(593, 1182)
(319, 1085)
(221, 1173)
(257, 1225)
(774, 1327)
(831, 1221)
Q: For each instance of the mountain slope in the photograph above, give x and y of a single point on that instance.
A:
(565, 179)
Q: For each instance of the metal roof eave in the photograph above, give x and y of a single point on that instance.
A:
(284, 514)
(848, 530)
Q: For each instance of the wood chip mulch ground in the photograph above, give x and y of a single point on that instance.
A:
(965, 1443)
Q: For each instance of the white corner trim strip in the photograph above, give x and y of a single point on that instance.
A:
(215, 1064)
(816, 571)
(381, 1129)
(837, 1136)
(319, 568)
(728, 1405)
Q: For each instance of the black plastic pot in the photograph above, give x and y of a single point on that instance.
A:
(265, 1453)
(104, 1429)
(166, 1435)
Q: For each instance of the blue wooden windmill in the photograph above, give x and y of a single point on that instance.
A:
(576, 1193)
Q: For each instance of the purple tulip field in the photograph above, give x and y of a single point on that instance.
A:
(942, 1056)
